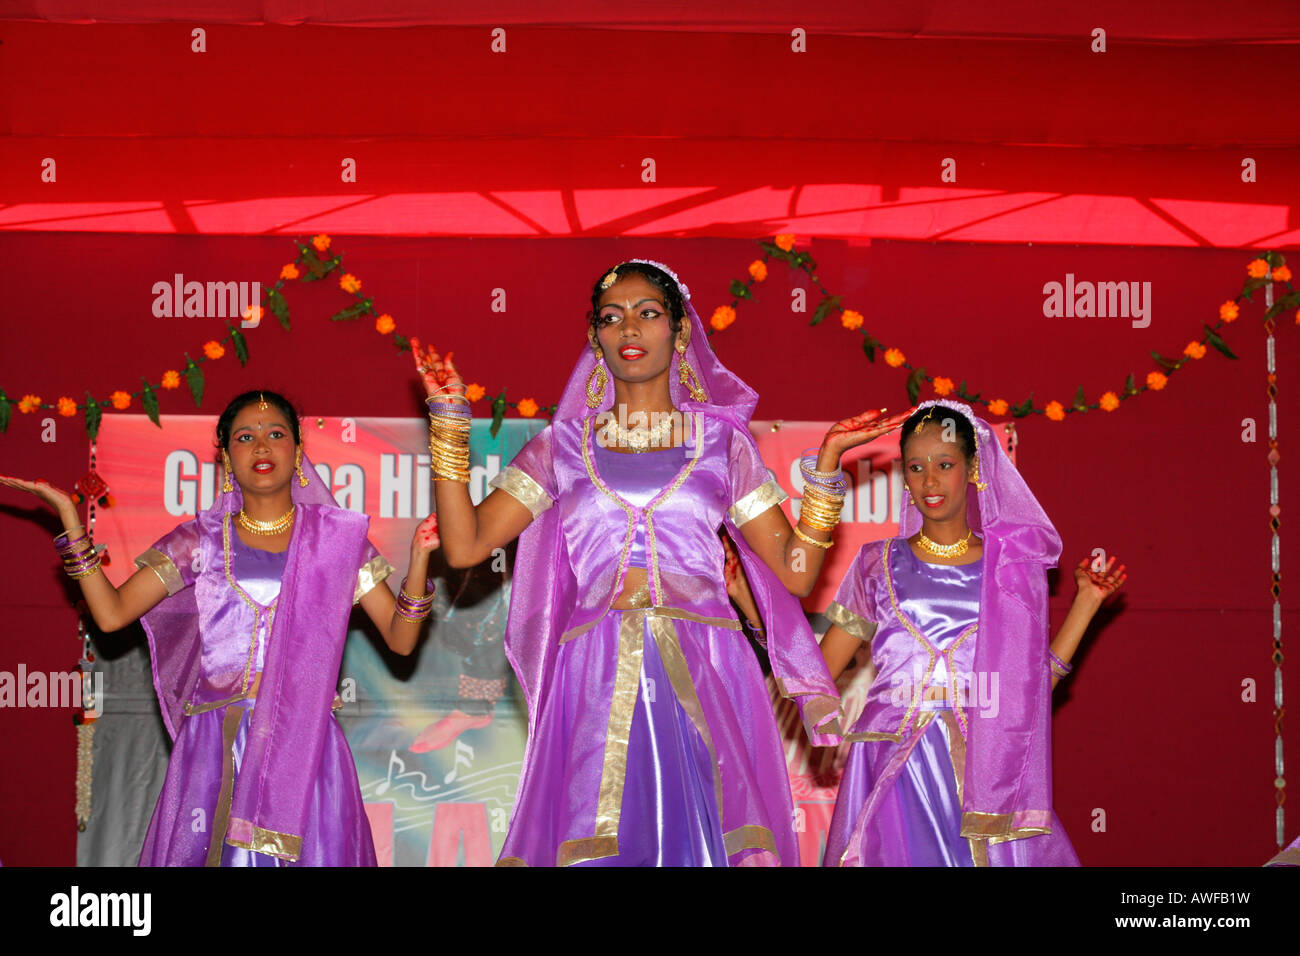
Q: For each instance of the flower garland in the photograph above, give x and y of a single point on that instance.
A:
(1261, 272)
(308, 266)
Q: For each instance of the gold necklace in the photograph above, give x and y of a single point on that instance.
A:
(643, 439)
(944, 550)
(254, 526)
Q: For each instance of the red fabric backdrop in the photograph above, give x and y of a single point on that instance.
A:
(1151, 729)
(171, 161)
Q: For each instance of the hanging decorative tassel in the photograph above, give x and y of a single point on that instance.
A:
(1275, 561)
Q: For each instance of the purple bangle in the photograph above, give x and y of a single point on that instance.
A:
(1059, 666)
(439, 406)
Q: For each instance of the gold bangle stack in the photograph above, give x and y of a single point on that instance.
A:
(821, 509)
(80, 557)
(449, 446)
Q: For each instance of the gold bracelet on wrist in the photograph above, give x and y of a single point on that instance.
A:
(813, 541)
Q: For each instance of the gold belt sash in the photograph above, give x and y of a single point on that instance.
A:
(631, 645)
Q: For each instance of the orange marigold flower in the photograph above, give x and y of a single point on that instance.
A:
(758, 269)
(289, 272)
(723, 316)
(1109, 402)
(998, 406)
(942, 386)
(321, 242)
(1055, 411)
(1257, 268)
(1157, 380)
(29, 403)
(171, 379)
(1282, 274)
(385, 324)
(1229, 312)
(120, 399)
(785, 241)
(1194, 350)
(474, 391)
(67, 407)
(349, 283)
(213, 349)
(894, 358)
(527, 407)
(851, 320)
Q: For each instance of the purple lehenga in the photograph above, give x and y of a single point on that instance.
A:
(651, 736)
(964, 781)
(246, 651)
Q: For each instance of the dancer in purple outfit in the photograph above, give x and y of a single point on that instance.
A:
(246, 609)
(651, 738)
(951, 762)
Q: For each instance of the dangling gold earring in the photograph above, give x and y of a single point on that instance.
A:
(227, 487)
(597, 380)
(910, 499)
(688, 377)
(303, 480)
(975, 474)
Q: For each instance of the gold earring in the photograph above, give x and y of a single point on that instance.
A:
(910, 499)
(688, 376)
(975, 474)
(303, 480)
(597, 380)
(226, 486)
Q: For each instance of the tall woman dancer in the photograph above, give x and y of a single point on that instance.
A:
(651, 738)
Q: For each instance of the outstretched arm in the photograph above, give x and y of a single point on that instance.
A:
(469, 534)
(112, 608)
(399, 632)
(1094, 587)
(794, 560)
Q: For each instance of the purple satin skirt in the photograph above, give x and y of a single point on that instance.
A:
(338, 831)
(668, 812)
(902, 800)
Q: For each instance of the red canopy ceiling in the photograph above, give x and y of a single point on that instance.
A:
(1050, 142)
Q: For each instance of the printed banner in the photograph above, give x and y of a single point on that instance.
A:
(438, 737)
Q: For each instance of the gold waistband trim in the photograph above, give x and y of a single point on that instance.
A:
(251, 694)
(679, 614)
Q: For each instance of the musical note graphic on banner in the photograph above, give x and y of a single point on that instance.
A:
(401, 769)
(464, 752)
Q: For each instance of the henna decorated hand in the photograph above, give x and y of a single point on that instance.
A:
(56, 498)
(426, 537)
(437, 372)
(860, 429)
(1096, 586)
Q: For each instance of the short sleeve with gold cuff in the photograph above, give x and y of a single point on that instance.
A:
(752, 505)
(163, 567)
(374, 571)
(850, 623)
(524, 488)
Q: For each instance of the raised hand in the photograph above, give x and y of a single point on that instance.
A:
(426, 537)
(56, 498)
(437, 372)
(861, 429)
(1096, 586)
